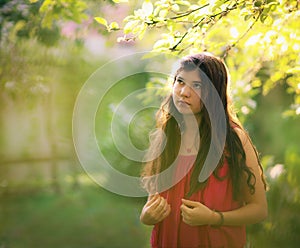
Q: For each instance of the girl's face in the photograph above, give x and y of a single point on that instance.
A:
(186, 92)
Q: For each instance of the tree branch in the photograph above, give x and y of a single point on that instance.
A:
(153, 22)
(210, 17)
(187, 13)
(243, 35)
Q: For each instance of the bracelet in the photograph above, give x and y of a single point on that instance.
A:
(221, 219)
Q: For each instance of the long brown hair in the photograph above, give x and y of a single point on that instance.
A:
(169, 120)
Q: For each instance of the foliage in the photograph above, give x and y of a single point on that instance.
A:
(62, 10)
(40, 19)
(19, 19)
(282, 227)
(259, 40)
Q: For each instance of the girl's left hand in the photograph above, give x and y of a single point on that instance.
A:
(195, 213)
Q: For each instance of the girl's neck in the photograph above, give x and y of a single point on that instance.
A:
(191, 124)
(191, 136)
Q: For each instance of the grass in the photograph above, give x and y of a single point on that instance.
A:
(85, 217)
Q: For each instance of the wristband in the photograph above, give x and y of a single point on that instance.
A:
(221, 222)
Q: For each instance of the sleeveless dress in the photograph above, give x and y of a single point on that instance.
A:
(172, 232)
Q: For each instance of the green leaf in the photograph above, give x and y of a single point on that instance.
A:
(114, 26)
(186, 3)
(175, 7)
(101, 21)
(33, 1)
(256, 83)
(161, 44)
(268, 20)
(120, 1)
(258, 3)
(142, 32)
(263, 17)
(247, 17)
(272, 5)
(217, 5)
(47, 4)
(130, 26)
(294, 70)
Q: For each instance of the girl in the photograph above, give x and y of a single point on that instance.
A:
(214, 212)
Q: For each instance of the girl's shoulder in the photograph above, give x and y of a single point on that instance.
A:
(235, 125)
(241, 132)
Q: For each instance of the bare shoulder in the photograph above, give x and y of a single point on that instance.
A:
(250, 151)
(242, 134)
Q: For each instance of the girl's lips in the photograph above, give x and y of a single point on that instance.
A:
(183, 103)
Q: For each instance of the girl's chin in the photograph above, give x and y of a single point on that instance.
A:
(185, 111)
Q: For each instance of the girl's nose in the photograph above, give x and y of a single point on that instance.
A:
(185, 91)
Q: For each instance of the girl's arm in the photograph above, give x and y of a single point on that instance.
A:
(254, 210)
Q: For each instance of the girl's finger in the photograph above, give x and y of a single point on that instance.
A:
(189, 203)
(165, 207)
(153, 197)
(184, 208)
(161, 204)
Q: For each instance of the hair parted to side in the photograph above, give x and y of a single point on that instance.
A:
(170, 121)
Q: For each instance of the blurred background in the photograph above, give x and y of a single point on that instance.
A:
(48, 50)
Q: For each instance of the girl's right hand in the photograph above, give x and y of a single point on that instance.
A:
(155, 210)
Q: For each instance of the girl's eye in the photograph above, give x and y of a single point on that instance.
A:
(179, 81)
(197, 86)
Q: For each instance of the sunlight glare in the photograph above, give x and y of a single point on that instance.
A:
(234, 32)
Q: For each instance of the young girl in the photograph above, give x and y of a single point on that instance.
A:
(214, 212)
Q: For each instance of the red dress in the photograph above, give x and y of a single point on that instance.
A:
(172, 232)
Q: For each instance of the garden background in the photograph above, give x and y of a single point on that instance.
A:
(49, 49)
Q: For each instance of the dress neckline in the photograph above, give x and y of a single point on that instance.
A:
(187, 155)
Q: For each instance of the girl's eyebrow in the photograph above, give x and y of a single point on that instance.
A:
(195, 82)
